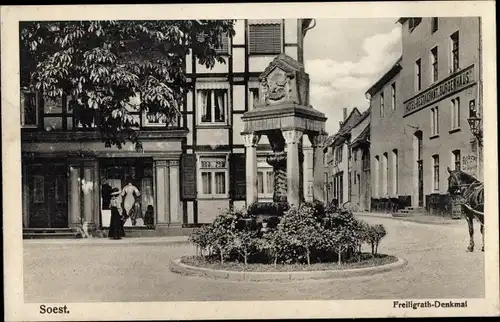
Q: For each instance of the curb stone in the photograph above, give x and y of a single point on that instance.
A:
(107, 242)
(177, 267)
(409, 219)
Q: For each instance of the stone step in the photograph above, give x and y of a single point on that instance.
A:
(52, 235)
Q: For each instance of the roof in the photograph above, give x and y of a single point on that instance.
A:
(393, 71)
(363, 137)
(345, 129)
(364, 115)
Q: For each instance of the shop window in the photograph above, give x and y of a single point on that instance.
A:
(213, 176)
(265, 39)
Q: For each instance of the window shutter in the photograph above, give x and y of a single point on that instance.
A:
(188, 177)
(264, 39)
(238, 176)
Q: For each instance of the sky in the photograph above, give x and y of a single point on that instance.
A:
(344, 58)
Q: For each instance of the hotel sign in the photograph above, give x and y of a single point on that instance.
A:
(448, 86)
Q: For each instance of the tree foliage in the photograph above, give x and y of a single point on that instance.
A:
(104, 65)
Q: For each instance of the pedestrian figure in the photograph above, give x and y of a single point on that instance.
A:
(130, 205)
(149, 217)
(116, 230)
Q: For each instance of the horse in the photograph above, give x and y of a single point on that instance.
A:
(471, 192)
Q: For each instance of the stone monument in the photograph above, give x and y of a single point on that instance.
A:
(284, 115)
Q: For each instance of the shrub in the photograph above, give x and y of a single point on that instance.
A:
(300, 229)
(268, 208)
(303, 234)
(375, 235)
(245, 242)
(202, 238)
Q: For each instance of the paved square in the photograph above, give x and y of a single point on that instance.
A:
(78, 271)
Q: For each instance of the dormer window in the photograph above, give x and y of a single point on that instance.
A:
(413, 23)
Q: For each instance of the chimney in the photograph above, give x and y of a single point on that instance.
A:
(345, 114)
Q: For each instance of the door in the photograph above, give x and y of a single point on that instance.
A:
(47, 186)
(420, 184)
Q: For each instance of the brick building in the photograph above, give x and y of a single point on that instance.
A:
(424, 129)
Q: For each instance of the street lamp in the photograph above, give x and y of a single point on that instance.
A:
(476, 128)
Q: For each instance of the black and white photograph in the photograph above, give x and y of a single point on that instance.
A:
(286, 160)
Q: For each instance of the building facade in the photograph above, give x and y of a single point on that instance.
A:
(436, 91)
(338, 158)
(188, 171)
(359, 164)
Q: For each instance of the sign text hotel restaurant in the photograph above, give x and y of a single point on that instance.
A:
(444, 88)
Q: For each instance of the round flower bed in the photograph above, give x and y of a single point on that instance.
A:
(366, 260)
(308, 235)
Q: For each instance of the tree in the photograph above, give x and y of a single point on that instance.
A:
(105, 65)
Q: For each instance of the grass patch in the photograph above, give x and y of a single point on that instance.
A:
(366, 261)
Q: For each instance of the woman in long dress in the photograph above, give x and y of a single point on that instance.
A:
(116, 230)
(129, 193)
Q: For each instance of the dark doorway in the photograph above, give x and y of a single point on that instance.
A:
(47, 195)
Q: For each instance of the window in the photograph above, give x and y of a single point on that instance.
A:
(393, 96)
(381, 105)
(326, 187)
(355, 152)
(213, 105)
(377, 178)
(455, 60)
(434, 61)
(395, 171)
(435, 120)
(456, 159)
(434, 24)
(472, 108)
(354, 177)
(455, 113)
(349, 186)
(418, 135)
(413, 23)
(224, 46)
(385, 175)
(435, 161)
(418, 76)
(253, 97)
(325, 156)
(38, 189)
(265, 179)
(366, 160)
(264, 38)
(213, 173)
(29, 106)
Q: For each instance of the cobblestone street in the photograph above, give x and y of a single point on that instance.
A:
(79, 271)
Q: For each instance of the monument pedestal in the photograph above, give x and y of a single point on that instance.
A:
(284, 115)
